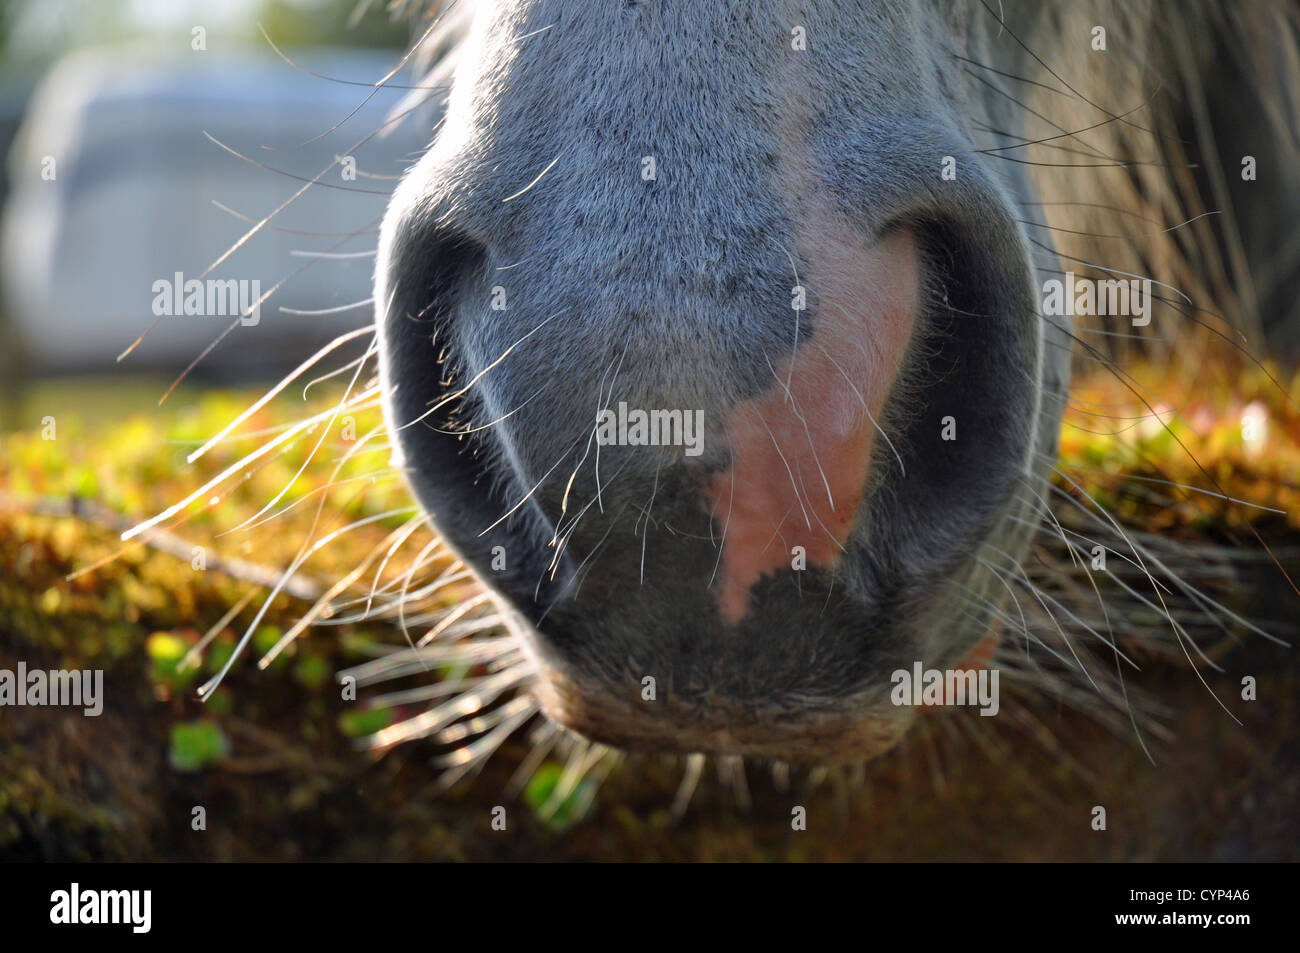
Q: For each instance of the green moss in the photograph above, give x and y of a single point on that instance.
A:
(267, 745)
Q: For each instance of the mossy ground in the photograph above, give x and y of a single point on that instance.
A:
(273, 758)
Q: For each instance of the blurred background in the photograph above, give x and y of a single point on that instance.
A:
(143, 138)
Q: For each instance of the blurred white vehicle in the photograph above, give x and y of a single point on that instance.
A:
(117, 196)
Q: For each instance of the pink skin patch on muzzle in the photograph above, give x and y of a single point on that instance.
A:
(800, 453)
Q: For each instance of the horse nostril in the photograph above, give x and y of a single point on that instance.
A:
(800, 453)
(430, 406)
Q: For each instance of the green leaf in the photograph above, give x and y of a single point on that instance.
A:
(165, 652)
(312, 671)
(558, 812)
(365, 721)
(196, 744)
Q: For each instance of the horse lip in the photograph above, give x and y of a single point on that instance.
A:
(849, 729)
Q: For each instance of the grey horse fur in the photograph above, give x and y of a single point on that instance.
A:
(675, 292)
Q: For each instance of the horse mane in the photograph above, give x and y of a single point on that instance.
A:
(1196, 86)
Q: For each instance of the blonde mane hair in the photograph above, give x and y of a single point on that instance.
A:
(1160, 200)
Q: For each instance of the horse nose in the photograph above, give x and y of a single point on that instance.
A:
(823, 305)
